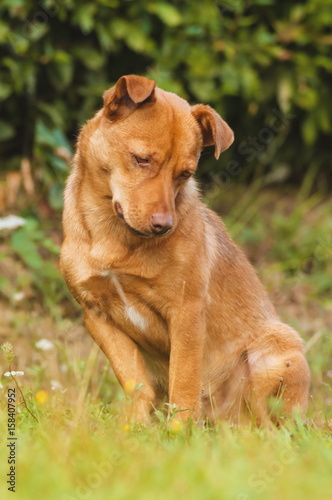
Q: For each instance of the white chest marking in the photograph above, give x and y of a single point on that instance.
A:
(135, 317)
(131, 313)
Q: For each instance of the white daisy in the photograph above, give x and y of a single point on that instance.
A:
(55, 385)
(44, 345)
(11, 222)
(15, 374)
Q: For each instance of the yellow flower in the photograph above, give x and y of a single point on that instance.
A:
(130, 385)
(126, 427)
(176, 426)
(41, 397)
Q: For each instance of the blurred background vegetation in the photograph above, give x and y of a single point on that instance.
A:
(265, 65)
(258, 62)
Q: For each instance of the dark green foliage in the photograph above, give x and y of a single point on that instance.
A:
(29, 267)
(253, 60)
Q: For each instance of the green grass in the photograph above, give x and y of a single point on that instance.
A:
(80, 446)
(100, 458)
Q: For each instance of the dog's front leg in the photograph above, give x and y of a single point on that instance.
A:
(187, 332)
(127, 363)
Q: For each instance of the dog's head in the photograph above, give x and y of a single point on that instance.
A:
(142, 149)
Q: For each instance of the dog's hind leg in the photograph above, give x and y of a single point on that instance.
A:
(278, 368)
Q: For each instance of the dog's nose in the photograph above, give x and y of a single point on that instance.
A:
(161, 223)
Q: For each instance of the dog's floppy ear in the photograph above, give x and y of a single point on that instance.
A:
(214, 129)
(129, 92)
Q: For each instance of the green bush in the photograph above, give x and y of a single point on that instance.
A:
(29, 271)
(264, 65)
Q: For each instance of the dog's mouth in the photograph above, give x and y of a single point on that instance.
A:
(134, 231)
(119, 213)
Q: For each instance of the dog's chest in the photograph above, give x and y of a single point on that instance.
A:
(133, 305)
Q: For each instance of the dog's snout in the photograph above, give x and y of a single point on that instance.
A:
(161, 223)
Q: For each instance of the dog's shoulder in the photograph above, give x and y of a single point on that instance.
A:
(216, 230)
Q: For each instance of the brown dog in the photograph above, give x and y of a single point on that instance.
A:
(173, 303)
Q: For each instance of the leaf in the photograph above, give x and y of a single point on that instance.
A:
(15, 72)
(31, 228)
(309, 130)
(13, 3)
(263, 2)
(264, 37)
(203, 90)
(5, 91)
(55, 197)
(37, 31)
(51, 137)
(133, 36)
(120, 28)
(26, 249)
(19, 43)
(84, 17)
(61, 71)
(105, 36)
(139, 42)
(297, 13)
(167, 13)
(90, 57)
(61, 140)
(307, 98)
(201, 63)
(249, 81)
(53, 112)
(324, 120)
(7, 131)
(44, 135)
(4, 30)
(284, 93)
(58, 163)
(110, 3)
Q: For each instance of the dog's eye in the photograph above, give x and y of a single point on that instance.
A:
(185, 174)
(141, 161)
(105, 170)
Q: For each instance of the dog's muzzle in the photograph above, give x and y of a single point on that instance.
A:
(160, 224)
